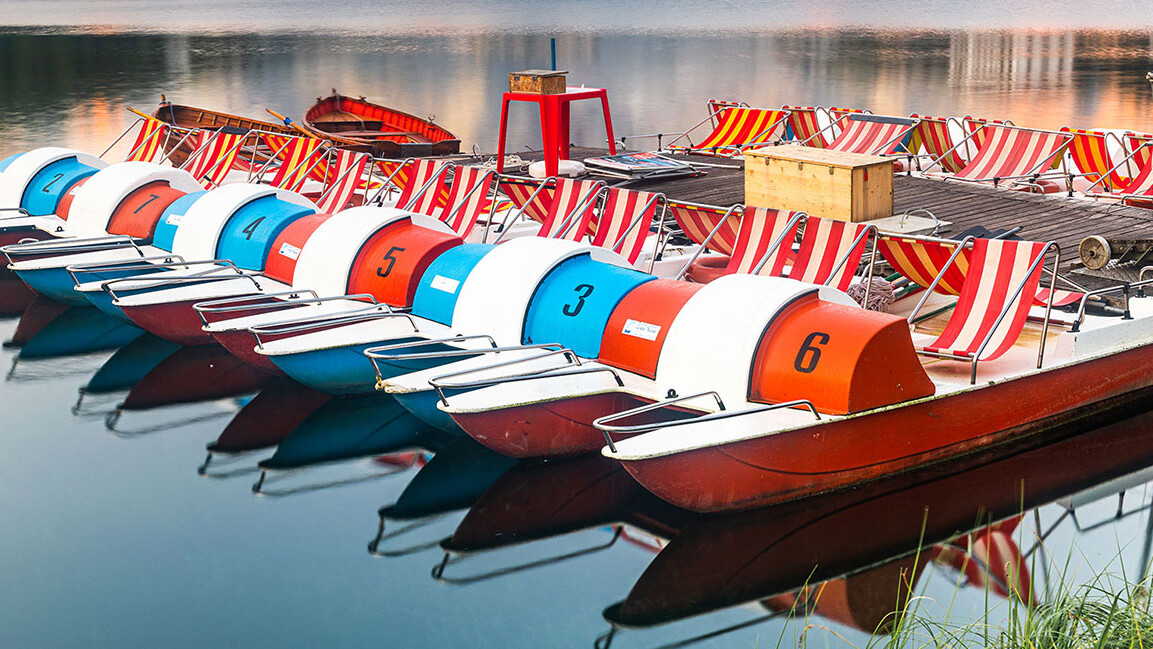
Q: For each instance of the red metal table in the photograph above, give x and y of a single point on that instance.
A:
(554, 119)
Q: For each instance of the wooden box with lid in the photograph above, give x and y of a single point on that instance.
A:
(831, 184)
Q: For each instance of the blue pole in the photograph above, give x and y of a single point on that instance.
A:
(552, 43)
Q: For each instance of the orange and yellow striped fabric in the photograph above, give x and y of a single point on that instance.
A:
(148, 141)
(1090, 152)
(697, 221)
(214, 155)
(299, 159)
(739, 129)
(805, 126)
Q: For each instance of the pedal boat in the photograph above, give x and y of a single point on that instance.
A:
(651, 344)
(119, 214)
(475, 299)
(308, 256)
(829, 408)
(36, 191)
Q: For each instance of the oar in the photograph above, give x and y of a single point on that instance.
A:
(288, 122)
(142, 114)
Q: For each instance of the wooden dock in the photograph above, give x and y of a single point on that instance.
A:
(1051, 217)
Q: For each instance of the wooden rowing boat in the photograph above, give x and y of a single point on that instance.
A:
(390, 132)
(191, 117)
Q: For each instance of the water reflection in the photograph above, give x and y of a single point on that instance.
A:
(349, 428)
(71, 88)
(723, 561)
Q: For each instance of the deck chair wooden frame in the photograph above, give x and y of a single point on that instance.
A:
(986, 333)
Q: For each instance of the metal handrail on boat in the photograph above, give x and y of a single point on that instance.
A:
(320, 322)
(574, 367)
(1122, 288)
(601, 423)
(194, 278)
(70, 245)
(141, 263)
(242, 302)
(23, 213)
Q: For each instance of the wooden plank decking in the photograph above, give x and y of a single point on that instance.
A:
(1052, 217)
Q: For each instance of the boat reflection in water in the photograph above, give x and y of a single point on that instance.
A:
(50, 331)
(127, 367)
(186, 376)
(453, 479)
(265, 421)
(539, 500)
(349, 428)
(721, 561)
(14, 295)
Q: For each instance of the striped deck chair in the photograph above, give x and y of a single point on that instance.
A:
(468, 198)
(1091, 156)
(531, 197)
(149, 140)
(343, 179)
(973, 127)
(805, 127)
(214, 155)
(764, 245)
(922, 259)
(297, 158)
(625, 220)
(1139, 188)
(423, 184)
(873, 134)
(1003, 277)
(933, 140)
(830, 252)
(738, 129)
(1014, 153)
(571, 211)
(1141, 155)
(698, 223)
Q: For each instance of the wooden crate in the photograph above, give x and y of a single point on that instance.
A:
(830, 184)
(537, 82)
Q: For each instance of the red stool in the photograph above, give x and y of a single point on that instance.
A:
(554, 120)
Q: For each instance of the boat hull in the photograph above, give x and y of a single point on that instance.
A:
(826, 457)
(346, 370)
(175, 321)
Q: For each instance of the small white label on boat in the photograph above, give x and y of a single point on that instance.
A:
(289, 250)
(645, 330)
(174, 219)
(446, 284)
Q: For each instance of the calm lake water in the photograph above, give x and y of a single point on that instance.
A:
(113, 538)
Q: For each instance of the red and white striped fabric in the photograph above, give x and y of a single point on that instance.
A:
(624, 222)
(697, 221)
(428, 201)
(298, 156)
(468, 198)
(760, 227)
(520, 191)
(214, 155)
(1140, 186)
(152, 135)
(871, 134)
(344, 178)
(824, 246)
(997, 267)
(1010, 151)
(933, 139)
(973, 127)
(1142, 155)
(804, 124)
(571, 210)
